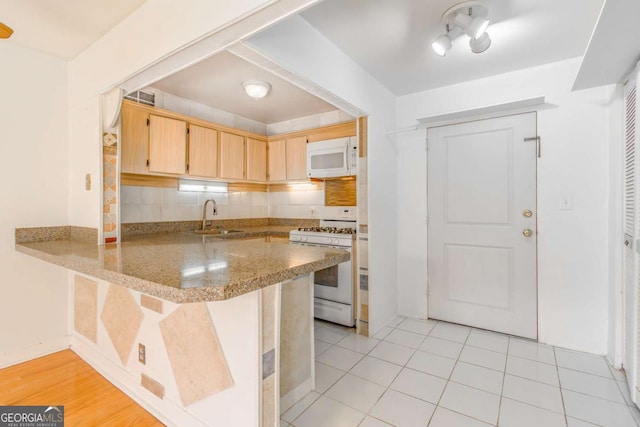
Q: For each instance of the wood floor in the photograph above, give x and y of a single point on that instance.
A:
(66, 380)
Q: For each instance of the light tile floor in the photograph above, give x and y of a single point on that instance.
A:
(437, 374)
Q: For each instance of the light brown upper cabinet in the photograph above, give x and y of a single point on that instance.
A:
(277, 161)
(203, 152)
(232, 153)
(167, 145)
(156, 142)
(135, 140)
(256, 160)
(296, 154)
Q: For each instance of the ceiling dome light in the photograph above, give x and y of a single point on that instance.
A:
(441, 45)
(480, 44)
(256, 89)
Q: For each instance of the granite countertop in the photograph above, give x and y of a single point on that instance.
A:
(254, 231)
(186, 267)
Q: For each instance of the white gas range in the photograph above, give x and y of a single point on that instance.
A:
(333, 286)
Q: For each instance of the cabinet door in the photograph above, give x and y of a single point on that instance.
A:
(231, 156)
(203, 151)
(297, 158)
(277, 161)
(256, 160)
(167, 145)
(135, 140)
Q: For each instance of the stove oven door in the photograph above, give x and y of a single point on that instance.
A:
(335, 283)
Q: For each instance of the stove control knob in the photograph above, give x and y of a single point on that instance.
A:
(335, 241)
(328, 240)
(304, 239)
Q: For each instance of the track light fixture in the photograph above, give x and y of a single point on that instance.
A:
(468, 18)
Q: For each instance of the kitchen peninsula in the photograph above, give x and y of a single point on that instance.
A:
(200, 330)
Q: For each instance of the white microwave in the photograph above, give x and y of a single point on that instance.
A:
(331, 158)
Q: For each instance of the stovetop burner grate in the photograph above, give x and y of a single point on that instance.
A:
(334, 230)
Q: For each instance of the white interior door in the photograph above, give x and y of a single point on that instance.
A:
(482, 224)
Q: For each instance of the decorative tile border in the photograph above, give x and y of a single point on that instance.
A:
(110, 187)
(152, 385)
(270, 353)
(362, 327)
(153, 304)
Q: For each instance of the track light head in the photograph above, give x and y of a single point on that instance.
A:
(441, 45)
(480, 44)
(444, 42)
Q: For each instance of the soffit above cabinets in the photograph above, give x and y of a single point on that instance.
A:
(391, 39)
(614, 48)
(63, 28)
(217, 82)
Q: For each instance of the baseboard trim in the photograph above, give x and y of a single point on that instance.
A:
(34, 351)
(165, 411)
(289, 399)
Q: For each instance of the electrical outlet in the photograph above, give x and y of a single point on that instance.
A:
(142, 354)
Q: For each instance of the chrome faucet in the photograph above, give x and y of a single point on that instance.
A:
(204, 212)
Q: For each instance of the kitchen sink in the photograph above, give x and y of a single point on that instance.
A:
(216, 231)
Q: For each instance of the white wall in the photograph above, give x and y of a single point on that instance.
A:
(153, 32)
(616, 203)
(33, 180)
(573, 254)
(302, 50)
(191, 108)
(308, 122)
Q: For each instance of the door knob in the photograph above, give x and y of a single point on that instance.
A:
(527, 213)
(527, 232)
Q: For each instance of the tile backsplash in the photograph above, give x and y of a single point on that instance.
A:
(153, 204)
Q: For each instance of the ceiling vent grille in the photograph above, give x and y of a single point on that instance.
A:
(141, 97)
